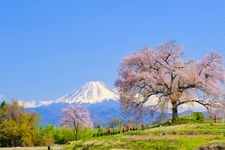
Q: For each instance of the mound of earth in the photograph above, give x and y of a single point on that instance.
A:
(216, 145)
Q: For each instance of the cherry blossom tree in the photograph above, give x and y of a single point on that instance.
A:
(159, 79)
(217, 112)
(76, 116)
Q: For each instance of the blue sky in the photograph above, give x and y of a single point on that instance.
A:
(48, 48)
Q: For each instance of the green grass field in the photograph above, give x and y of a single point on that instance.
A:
(179, 137)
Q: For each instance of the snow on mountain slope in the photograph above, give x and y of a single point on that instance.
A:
(91, 92)
(1, 98)
(33, 104)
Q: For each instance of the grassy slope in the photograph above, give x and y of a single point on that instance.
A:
(181, 137)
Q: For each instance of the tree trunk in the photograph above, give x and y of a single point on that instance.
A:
(174, 97)
(76, 134)
(174, 111)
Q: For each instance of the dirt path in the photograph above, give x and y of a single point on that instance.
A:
(33, 148)
(161, 136)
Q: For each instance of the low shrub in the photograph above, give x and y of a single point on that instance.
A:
(195, 117)
(198, 116)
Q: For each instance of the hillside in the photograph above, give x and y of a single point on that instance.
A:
(180, 137)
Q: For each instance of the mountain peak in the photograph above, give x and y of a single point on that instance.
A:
(94, 84)
(91, 92)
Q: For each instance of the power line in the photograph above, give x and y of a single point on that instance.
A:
(212, 34)
(217, 40)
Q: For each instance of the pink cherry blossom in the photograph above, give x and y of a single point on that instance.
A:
(76, 116)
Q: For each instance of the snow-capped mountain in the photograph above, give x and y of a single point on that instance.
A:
(91, 92)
